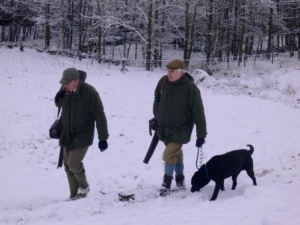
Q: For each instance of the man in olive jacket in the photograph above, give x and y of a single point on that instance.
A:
(81, 108)
(177, 107)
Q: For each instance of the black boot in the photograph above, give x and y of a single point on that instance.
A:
(166, 186)
(180, 182)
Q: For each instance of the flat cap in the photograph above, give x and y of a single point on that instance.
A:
(175, 64)
(69, 75)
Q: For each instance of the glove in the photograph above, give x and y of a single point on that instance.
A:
(59, 95)
(152, 125)
(102, 145)
(200, 142)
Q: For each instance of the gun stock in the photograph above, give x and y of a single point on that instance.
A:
(152, 148)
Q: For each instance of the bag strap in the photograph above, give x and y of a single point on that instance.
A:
(59, 106)
(164, 84)
(58, 111)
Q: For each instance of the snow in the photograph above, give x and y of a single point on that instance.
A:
(257, 104)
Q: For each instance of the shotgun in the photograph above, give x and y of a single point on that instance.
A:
(151, 149)
(60, 157)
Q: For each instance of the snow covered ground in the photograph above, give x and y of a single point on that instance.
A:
(257, 105)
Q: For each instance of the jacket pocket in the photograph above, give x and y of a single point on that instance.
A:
(82, 139)
(181, 135)
(163, 133)
(160, 133)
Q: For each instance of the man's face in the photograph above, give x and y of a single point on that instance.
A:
(174, 75)
(71, 86)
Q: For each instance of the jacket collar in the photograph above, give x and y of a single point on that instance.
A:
(183, 79)
(77, 90)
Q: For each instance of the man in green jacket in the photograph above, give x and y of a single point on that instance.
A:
(81, 108)
(177, 107)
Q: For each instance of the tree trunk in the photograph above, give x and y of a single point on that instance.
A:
(235, 30)
(34, 33)
(3, 27)
(11, 24)
(18, 31)
(187, 32)
(136, 51)
(79, 27)
(209, 31)
(249, 40)
(298, 33)
(149, 39)
(103, 46)
(47, 26)
(84, 25)
(99, 42)
(241, 41)
(129, 46)
(124, 43)
(278, 27)
(219, 34)
(63, 25)
(163, 29)
(24, 33)
(156, 36)
(192, 35)
(299, 40)
(90, 43)
(71, 4)
(269, 49)
(226, 16)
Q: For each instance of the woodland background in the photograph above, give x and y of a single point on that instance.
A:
(142, 32)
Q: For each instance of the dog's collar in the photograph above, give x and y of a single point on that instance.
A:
(205, 167)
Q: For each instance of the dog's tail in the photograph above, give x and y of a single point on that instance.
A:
(251, 149)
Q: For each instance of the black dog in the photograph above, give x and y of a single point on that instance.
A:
(221, 167)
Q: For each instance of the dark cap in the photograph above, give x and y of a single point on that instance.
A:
(69, 75)
(175, 64)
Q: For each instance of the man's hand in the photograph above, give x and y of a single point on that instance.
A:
(59, 95)
(152, 125)
(102, 145)
(200, 142)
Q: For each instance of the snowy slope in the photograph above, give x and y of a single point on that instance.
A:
(34, 191)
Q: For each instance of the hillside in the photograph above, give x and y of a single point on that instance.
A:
(256, 105)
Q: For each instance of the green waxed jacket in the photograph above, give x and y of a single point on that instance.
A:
(80, 111)
(177, 108)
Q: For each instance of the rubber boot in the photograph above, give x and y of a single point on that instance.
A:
(180, 182)
(83, 185)
(73, 185)
(166, 186)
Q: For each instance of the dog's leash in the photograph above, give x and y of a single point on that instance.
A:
(200, 152)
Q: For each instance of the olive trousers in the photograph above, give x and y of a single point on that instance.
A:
(75, 170)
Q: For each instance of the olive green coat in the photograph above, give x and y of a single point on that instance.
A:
(177, 108)
(80, 111)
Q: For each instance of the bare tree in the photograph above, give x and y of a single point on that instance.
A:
(149, 36)
(217, 28)
(269, 49)
(47, 24)
(80, 27)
